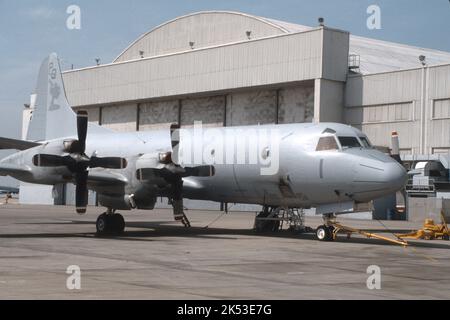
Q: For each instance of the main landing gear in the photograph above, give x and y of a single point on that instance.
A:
(272, 219)
(110, 223)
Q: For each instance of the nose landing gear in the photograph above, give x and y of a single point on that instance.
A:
(325, 233)
(110, 223)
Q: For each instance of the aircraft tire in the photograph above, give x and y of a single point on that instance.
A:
(323, 233)
(117, 223)
(102, 224)
(110, 224)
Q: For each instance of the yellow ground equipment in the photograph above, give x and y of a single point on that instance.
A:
(430, 231)
(338, 227)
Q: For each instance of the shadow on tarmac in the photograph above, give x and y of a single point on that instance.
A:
(159, 229)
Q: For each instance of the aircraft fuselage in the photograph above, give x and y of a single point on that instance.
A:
(290, 166)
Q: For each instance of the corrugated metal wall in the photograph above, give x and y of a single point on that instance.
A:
(328, 101)
(335, 54)
(383, 88)
(272, 61)
(415, 103)
(438, 106)
(203, 29)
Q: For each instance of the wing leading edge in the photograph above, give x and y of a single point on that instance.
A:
(105, 178)
(9, 169)
(13, 144)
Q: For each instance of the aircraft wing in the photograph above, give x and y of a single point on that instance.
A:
(96, 179)
(6, 143)
(105, 178)
(9, 169)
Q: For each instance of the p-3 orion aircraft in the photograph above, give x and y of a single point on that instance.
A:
(329, 166)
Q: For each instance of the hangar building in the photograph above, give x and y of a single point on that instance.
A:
(230, 68)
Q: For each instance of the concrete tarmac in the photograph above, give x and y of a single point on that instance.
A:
(158, 258)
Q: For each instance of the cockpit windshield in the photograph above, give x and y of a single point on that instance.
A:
(327, 143)
(349, 142)
(366, 143)
(330, 142)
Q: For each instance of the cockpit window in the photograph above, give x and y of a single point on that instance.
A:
(349, 142)
(365, 142)
(327, 143)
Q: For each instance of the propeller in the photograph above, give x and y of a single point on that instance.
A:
(395, 147)
(395, 154)
(78, 162)
(173, 174)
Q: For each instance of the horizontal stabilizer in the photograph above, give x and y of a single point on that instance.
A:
(13, 144)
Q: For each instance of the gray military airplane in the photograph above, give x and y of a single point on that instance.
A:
(330, 166)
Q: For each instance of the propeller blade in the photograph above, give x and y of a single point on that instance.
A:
(201, 171)
(108, 163)
(81, 193)
(49, 160)
(395, 153)
(144, 174)
(82, 125)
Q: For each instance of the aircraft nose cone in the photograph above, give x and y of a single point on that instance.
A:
(388, 176)
(394, 176)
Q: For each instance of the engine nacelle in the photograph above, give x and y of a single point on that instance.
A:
(119, 202)
(126, 202)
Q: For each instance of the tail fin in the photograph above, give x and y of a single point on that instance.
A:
(53, 117)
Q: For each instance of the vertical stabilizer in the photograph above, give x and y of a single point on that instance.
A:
(53, 117)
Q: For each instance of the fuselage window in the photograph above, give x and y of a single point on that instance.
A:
(327, 143)
(349, 142)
